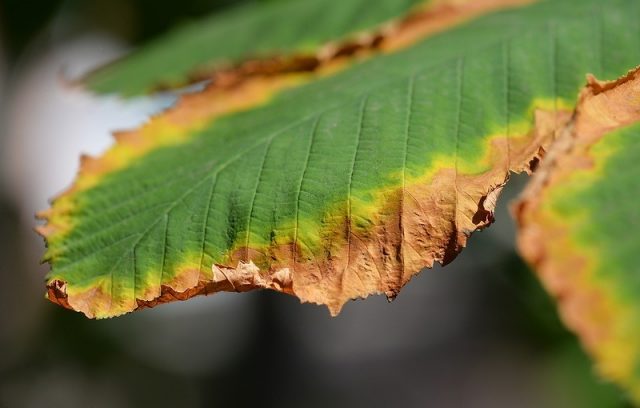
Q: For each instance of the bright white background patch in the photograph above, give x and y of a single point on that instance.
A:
(49, 123)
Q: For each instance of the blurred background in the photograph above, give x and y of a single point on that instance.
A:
(480, 333)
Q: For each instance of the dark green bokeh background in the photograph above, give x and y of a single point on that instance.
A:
(134, 20)
(479, 333)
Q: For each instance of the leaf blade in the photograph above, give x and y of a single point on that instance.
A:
(571, 217)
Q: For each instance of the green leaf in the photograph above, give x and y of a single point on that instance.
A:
(333, 185)
(578, 221)
(252, 31)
